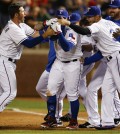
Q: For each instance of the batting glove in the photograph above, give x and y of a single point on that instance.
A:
(57, 28)
(50, 22)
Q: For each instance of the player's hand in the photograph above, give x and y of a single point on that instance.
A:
(38, 26)
(48, 32)
(63, 21)
(116, 34)
(50, 22)
(82, 60)
(56, 27)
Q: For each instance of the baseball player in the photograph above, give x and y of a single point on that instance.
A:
(13, 38)
(41, 87)
(97, 80)
(102, 30)
(66, 67)
(114, 11)
(85, 42)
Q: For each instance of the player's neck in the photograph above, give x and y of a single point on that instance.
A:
(16, 21)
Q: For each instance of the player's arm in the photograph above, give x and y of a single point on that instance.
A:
(76, 28)
(42, 25)
(31, 42)
(66, 44)
(94, 58)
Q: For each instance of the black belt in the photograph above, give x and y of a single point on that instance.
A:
(12, 60)
(110, 57)
(70, 61)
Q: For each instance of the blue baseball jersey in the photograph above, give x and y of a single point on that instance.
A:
(51, 55)
(115, 21)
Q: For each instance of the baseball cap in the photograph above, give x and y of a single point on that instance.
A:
(93, 11)
(114, 3)
(62, 13)
(74, 17)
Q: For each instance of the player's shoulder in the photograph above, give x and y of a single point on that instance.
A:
(107, 23)
(10, 26)
(69, 30)
(23, 24)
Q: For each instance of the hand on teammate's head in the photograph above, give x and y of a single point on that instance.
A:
(63, 21)
(51, 21)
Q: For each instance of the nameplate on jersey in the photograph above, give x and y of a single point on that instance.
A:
(6, 28)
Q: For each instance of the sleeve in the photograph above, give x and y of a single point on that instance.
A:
(28, 30)
(71, 36)
(17, 35)
(94, 58)
(85, 40)
(94, 28)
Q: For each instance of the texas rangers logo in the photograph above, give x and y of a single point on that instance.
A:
(71, 35)
(88, 9)
(112, 1)
(61, 11)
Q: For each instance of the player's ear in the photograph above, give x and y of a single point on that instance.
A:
(97, 18)
(16, 14)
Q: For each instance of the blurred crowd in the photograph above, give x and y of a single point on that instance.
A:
(40, 10)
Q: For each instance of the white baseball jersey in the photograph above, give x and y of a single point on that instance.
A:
(75, 52)
(102, 31)
(11, 38)
(86, 40)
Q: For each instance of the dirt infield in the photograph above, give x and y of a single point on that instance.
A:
(22, 121)
(10, 120)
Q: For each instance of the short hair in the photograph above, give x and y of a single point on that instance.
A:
(84, 22)
(14, 8)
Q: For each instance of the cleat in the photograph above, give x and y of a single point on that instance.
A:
(59, 122)
(66, 118)
(73, 124)
(117, 122)
(50, 123)
(86, 125)
(46, 117)
(105, 127)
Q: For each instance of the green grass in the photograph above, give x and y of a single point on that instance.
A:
(56, 132)
(37, 104)
(27, 104)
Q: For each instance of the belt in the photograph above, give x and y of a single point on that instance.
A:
(9, 59)
(70, 61)
(110, 57)
(12, 60)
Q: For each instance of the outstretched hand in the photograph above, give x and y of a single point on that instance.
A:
(63, 21)
(116, 34)
(48, 32)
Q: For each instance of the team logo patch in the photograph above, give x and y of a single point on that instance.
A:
(71, 35)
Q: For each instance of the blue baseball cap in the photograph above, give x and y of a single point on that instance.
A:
(62, 13)
(93, 11)
(114, 3)
(74, 17)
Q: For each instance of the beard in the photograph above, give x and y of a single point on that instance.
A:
(112, 14)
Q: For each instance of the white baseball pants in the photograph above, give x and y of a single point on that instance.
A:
(8, 87)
